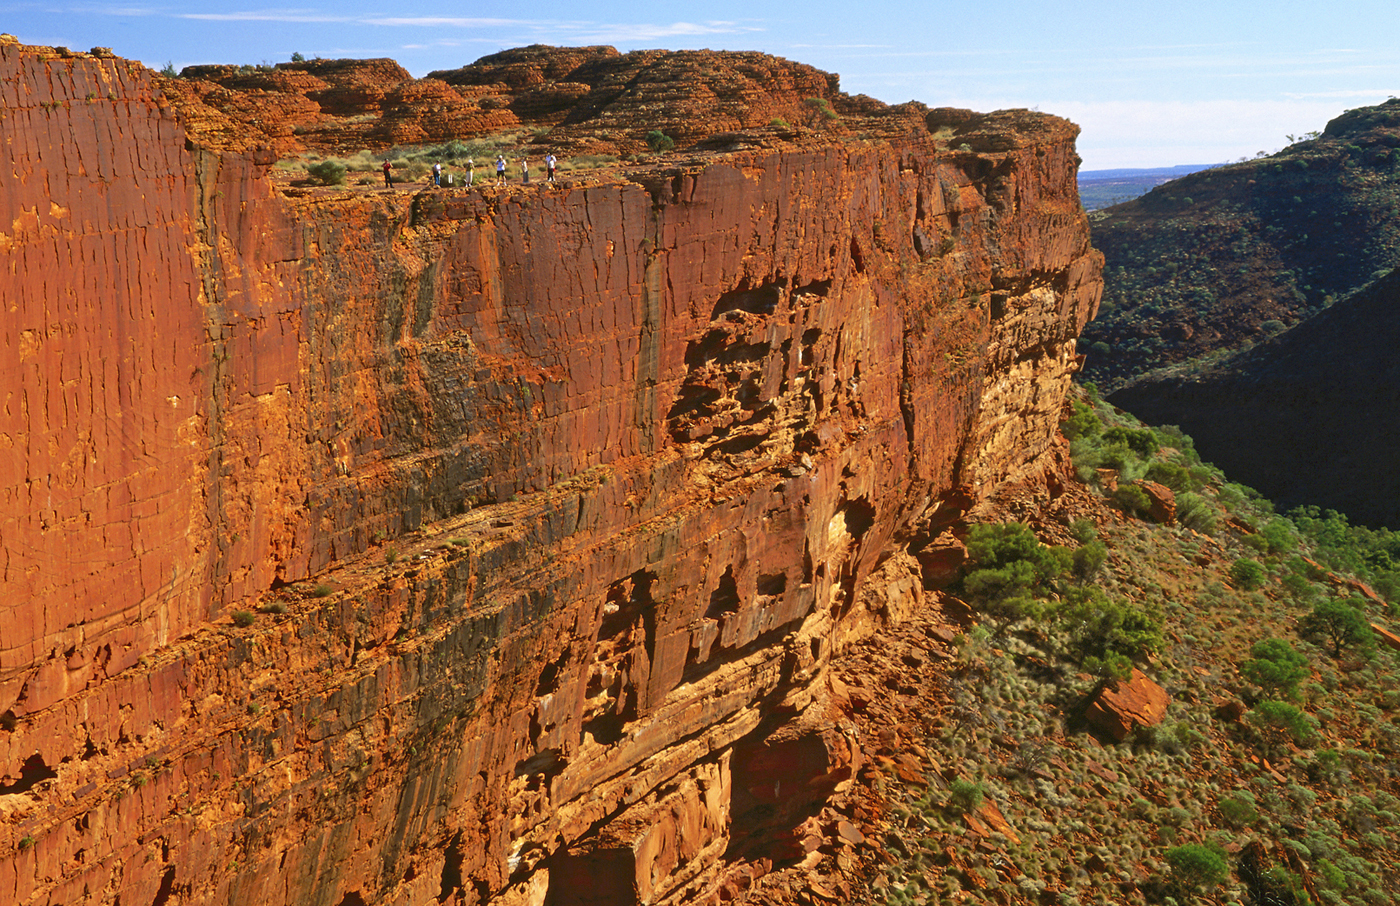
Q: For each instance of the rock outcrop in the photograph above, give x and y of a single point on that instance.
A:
(1124, 705)
(389, 547)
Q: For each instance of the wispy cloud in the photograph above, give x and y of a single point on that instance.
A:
(1160, 133)
(115, 11)
(444, 22)
(840, 46)
(1371, 93)
(267, 15)
(631, 33)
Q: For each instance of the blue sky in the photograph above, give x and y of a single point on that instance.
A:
(1189, 82)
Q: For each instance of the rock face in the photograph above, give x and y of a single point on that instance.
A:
(1123, 706)
(373, 547)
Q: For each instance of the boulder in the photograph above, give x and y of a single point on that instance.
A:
(1123, 705)
(941, 560)
(1162, 508)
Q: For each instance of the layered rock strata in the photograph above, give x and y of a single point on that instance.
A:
(372, 547)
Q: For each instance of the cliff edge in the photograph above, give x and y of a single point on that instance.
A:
(399, 547)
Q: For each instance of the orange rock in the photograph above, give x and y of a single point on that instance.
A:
(600, 390)
(1162, 509)
(1388, 638)
(1122, 706)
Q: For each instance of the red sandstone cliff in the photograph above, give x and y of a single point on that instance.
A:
(569, 496)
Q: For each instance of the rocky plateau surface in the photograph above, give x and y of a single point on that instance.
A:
(487, 546)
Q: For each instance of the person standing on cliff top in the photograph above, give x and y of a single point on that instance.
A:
(388, 183)
(549, 164)
(500, 169)
(437, 174)
(525, 169)
(471, 170)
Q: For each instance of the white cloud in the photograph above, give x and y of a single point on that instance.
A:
(633, 33)
(445, 22)
(115, 11)
(266, 15)
(1369, 93)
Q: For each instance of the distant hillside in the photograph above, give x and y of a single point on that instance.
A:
(1311, 416)
(1232, 254)
(1101, 188)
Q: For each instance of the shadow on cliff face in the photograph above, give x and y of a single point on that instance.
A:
(779, 781)
(33, 772)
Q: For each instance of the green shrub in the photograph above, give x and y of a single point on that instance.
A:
(1084, 530)
(778, 122)
(1197, 867)
(1342, 623)
(1247, 574)
(1097, 626)
(1172, 475)
(1083, 422)
(1012, 572)
(820, 109)
(1195, 512)
(965, 796)
(244, 618)
(1279, 536)
(1331, 875)
(1142, 441)
(1327, 768)
(1297, 586)
(1239, 810)
(659, 141)
(1279, 721)
(1276, 667)
(1110, 666)
(1089, 558)
(327, 172)
(1132, 499)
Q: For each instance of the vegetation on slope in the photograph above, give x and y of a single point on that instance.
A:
(1303, 416)
(1219, 258)
(1274, 777)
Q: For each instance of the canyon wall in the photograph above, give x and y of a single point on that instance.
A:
(366, 546)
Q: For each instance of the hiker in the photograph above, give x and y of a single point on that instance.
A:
(500, 169)
(471, 168)
(388, 183)
(437, 174)
(549, 163)
(525, 169)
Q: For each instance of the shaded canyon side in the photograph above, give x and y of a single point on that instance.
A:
(543, 511)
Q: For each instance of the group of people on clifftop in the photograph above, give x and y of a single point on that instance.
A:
(551, 164)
